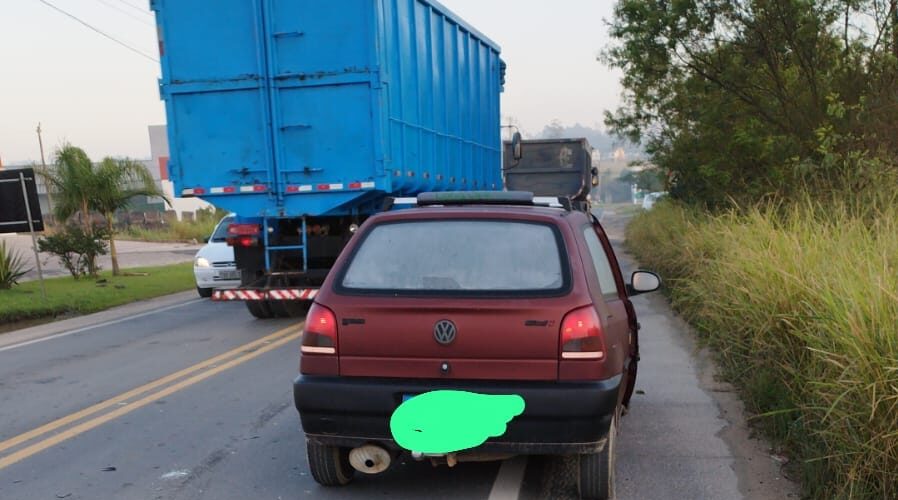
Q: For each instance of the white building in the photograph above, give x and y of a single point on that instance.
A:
(158, 166)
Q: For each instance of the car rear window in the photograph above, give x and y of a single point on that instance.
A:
(459, 257)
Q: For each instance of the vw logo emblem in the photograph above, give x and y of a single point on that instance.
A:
(444, 332)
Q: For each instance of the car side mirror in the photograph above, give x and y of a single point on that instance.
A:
(643, 282)
(517, 148)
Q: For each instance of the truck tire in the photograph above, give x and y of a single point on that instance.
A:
(329, 464)
(596, 480)
(259, 309)
(205, 292)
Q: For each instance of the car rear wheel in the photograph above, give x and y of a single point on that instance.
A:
(329, 464)
(596, 481)
(204, 292)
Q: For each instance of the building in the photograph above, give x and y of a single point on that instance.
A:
(158, 167)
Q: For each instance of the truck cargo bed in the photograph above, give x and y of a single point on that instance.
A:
(310, 108)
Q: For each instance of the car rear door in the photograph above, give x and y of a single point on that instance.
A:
(610, 296)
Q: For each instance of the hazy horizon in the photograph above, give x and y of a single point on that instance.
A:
(87, 90)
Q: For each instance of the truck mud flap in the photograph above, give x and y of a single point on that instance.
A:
(239, 294)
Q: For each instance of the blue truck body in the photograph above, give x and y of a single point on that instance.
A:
(292, 108)
(303, 116)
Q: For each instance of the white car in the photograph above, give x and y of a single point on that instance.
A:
(214, 265)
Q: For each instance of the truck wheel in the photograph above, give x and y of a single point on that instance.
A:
(596, 480)
(204, 292)
(259, 309)
(329, 464)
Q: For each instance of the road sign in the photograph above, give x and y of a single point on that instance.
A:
(20, 210)
(14, 213)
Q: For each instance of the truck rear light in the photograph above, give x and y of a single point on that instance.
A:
(244, 230)
(320, 335)
(581, 335)
(243, 235)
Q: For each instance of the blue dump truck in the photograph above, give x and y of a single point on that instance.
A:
(304, 116)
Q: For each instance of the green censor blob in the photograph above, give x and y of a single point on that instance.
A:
(450, 421)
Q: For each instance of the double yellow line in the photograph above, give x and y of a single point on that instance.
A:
(137, 398)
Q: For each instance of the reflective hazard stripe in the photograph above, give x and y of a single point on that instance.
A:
(277, 294)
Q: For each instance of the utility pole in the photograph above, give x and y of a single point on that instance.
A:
(40, 141)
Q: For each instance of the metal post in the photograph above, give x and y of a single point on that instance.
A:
(37, 257)
(40, 141)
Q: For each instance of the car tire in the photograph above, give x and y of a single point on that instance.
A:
(329, 464)
(259, 309)
(204, 292)
(596, 479)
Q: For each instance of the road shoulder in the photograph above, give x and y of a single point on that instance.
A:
(47, 330)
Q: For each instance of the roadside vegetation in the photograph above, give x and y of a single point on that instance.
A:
(178, 231)
(84, 188)
(772, 125)
(69, 297)
(12, 266)
(800, 303)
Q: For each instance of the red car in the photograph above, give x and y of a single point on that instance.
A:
(493, 293)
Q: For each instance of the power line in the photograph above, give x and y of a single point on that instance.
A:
(126, 13)
(138, 9)
(116, 40)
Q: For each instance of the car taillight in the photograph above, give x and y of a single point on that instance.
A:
(581, 335)
(320, 335)
(243, 235)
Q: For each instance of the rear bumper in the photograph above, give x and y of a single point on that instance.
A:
(559, 418)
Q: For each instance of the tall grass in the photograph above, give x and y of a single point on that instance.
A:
(800, 301)
(175, 231)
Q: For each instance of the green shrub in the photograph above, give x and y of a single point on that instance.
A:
(800, 302)
(12, 266)
(76, 249)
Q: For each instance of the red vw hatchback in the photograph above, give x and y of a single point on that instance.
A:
(488, 293)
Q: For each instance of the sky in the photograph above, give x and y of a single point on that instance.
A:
(87, 90)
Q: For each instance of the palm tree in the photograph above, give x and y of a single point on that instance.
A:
(80, 186)
(72, 183)
(118, 181)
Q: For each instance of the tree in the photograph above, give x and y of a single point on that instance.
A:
(118, 181)
(71, 181)
(747, 98)
(80, 186)
(649, 179)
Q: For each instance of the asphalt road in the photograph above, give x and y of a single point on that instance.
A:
(130, 254)
(187, 399)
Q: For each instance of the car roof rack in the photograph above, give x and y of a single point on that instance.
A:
(461, 198)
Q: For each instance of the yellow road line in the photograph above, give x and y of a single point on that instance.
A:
(124, 397)
(124, 410)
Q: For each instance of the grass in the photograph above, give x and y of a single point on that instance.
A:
(67, 296)
(176, 231)
(800, 302)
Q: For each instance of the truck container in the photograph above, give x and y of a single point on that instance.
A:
(302, 116)
(551, 167)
